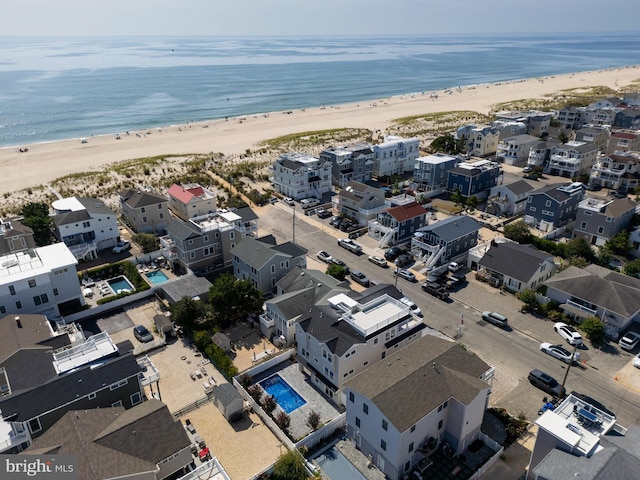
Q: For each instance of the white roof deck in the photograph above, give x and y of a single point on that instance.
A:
(370, 317)
(94, 348)
(42, 260)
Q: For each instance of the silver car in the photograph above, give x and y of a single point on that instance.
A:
(559, 352)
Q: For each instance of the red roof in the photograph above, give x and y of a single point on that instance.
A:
(628, 136)
(405, 212)
(180, 193)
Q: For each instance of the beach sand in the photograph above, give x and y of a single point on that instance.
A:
(45, 162)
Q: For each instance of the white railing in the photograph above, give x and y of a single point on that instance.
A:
(581, 307)
(327, 430)
(14, 440)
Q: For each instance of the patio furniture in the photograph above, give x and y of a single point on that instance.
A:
(193, 376)
(198, 373)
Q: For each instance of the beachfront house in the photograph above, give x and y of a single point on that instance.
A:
(145, 211)
(628, 118)
(537, 123)
(444, 240)
(601, 116)
(72, 374)
(430, 173)
(623, 141)
(191, 200)
(297, 292)
(479, 141)
(509, 128)
(617, 171)
(395, 156)
(14, 236)
(508, 200)
(338, 340)
(85, 225)
(580, 438)
(515, 267)
(473, 178)
(204, 242)
(397, 224)
(263, 262)
(400, 409)
(571, 117)
(350, 163)
(146, 441)
(514, 150)
(42, 280)
(552, 206)
(572, 159)
(360, 202)
(595, 135)
(600, 219)
(596, 291)
(298, 175)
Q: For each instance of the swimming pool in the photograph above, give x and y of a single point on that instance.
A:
(156, 277)
(120, 284)
(336, 466)
(288, 399)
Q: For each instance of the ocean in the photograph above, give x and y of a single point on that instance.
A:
(59, 88)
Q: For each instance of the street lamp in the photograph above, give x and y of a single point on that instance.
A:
(397, 270)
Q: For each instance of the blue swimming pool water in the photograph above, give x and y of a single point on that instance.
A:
(287, 397)
(157, 277)
(120, 283)
(336, 466)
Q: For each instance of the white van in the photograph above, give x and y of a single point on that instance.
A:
(309, 202)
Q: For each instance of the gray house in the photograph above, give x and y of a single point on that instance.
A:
(597, 291)
(264, 262)
(14, 236)
(552, 206)
(514, 266)
(444, 240)
(145, 211)
(599, 220)
(595, 135)
(349, 163)
(508, 200)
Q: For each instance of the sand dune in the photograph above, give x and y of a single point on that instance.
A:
(45, 162)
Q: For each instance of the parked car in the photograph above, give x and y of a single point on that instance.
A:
(322, 213)
(636, 361)
(324, 256)
(546, 383)
(381, 262)
(436, 290)
(335, 222)
(456, 279)
(121, 247)
(309, 202)
(559, 352)
(619, 194)
(403, 260)
(393, 253)
(289, 201)
(453, 267)
(360, 278)
(346, 225)
(629, 341)
(310, 211)
(570, 334)
(527, 169)
(412, 306)
(142, 334)
(340, 263)
(496, 318)
(594, 187)
(406, 274)
(350, 245)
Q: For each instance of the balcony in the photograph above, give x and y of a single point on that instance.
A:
(11, 439)
(266, 321)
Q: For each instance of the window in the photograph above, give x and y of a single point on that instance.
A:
(365, 408)
(357, 422)
(3, 310)
(351, 397)
(411, 447)
(55, 291)
(18, 305)
(413, 428)
(119, 384)
(37, 300)
(383, 444)
(136, 398)
(583, 225)
(91, 396)
(600, 229)
(532, 209)
(32, 283)
(273, 269)
(375, 341)
(143, 210)
(117, 404)
(12, 290)
(385, 425)
(547, 203)
(440, 424)
(144, 219)
(34, 425)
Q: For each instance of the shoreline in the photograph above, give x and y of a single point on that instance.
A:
(47, 161)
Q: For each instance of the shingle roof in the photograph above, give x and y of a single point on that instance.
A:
(405, 212)
(452, 228)
(300, 278)
(246, 213)
(226, 393)
(114, 442)
(322, 322)
(514, 260)
(614, 291)
(256, 253)
(519, 187)
(141, 198)
(182, 230)
(95, 206)
(415, 380)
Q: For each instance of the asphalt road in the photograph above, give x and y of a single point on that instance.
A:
(515, 351)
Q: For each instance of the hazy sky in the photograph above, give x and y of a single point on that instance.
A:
(313, 17)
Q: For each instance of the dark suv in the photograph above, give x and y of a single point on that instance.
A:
(393, 253)
(436, 290)
(403, 260)
(546, 383)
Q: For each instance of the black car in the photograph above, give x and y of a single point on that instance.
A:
(340, 263)
(546, 383)
(436, 290)
(393, 253)
(403, 260)
(346, 225)
(324, 213)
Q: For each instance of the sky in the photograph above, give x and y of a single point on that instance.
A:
(312, 17)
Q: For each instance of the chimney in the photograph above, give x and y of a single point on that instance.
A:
(18, 322)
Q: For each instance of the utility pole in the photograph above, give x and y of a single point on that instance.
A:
(566, 374)
(397, 270)
(294, 223)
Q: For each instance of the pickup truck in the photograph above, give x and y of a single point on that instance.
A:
(436, 290)
(350, 245)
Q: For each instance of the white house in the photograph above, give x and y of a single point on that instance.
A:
(509, 200)
(299, 176)
(191, 200)
(401, 408)
(40, 280)
(360, 202)
(85, 225)
(514, 150)
(572, 159)
(395, 155)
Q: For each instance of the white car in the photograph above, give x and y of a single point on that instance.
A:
(629, 341)
(289, 201)
(570, 334)
(324, 256)
(559, 352)
(412, 306)
(121, 247)
(636, 361)
(380, 261)
(454, 267)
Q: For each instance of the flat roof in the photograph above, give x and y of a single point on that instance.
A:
(370, 317)
(26, 264)
(94, 348)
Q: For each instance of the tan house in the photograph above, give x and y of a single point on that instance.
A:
(145, 212)
(191, 200)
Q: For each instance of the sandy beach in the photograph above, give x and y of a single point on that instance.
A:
(45, 162)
